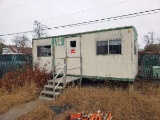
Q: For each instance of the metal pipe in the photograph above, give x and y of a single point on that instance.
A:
(73, 68)
(81, 70)
(74, 57)
(59, 58)
(59, 82)
(60, 71)
(65, 71)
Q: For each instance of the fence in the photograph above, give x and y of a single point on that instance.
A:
(10, 62)
(146, 61)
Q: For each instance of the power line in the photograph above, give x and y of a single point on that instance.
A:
(20, 5)
(149, 12)
(17, 33)
(68, 14)
(91, 9)
(111, 18)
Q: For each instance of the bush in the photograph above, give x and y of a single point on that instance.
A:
(20, 77)
(19, 86)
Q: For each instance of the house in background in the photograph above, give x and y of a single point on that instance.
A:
(14, 58)
(1, 46)
(16, 50)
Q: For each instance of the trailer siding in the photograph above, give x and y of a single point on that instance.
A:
(94, 65)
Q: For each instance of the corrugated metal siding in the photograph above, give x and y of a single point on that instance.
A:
(146, 61)
(10, 62)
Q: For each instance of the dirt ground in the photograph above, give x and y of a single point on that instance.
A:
(19, 110)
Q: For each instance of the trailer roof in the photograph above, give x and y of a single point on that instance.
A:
(94, 31)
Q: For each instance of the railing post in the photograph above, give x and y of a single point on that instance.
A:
(53, 66)
(53, 86)
(65, 71)
(80, 71)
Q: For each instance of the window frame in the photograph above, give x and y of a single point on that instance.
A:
(100, 51)
(103, 52)
(41, 52)
(73, 43)
(115, 45)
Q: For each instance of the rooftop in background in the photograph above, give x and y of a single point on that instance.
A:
(16, 50)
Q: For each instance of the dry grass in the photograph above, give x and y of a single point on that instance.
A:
(39, 113)
(19, 95)
(123, 104)
(17, 87)
(142, 104)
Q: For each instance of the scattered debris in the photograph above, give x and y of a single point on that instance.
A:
(96, 116)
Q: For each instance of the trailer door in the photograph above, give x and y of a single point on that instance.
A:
(73, 56)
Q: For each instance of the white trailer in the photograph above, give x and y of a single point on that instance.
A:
(102, 54)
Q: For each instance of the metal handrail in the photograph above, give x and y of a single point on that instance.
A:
(73, 57)
(68, 57)
(59, 82)
(73, 68)
(68, 69)
(60, 71)
(64, 70)
(59, 58)
(63, 75)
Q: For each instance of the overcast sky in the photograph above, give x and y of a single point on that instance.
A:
(18, 15)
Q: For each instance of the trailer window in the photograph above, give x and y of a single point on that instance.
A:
(115, 47)
(44, 51)
(102, 47)
(73, 43)
(109, 47)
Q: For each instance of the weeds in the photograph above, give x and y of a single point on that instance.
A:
(21, 86)
(20, 77)
(18, 96)
(123, 104)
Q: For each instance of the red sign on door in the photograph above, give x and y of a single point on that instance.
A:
(73, 51)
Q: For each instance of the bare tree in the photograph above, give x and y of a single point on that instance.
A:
(39, 30)
(2, 45)
(2, 41)
(21, 41)
(139, 48)
(152, 43)
(149, 38)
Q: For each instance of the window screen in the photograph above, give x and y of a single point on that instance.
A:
(102, 47)
(73, 43)
(115, 47)
(44, 51)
